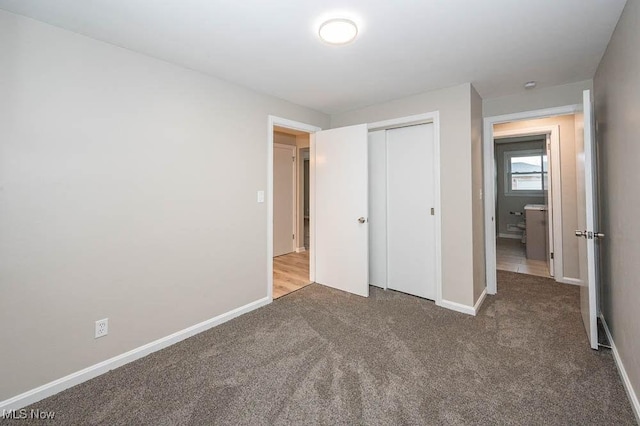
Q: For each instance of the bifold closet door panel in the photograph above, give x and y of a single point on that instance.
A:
(378, 209)
(410, 197)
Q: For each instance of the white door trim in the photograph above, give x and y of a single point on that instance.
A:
(489, 174)
(272, 121)
(294, 188)
(552, 205)
(429, 117)
(553, 132)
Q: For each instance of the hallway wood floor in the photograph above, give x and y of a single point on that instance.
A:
(290, 273)
(511, 256)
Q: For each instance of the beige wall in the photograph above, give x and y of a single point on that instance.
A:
(570, 264)
(540, 98)
(300, 141)
(121, 197)
(617, 100)
(507, 204)
(284, 138)
(479, 261)
(454, 105)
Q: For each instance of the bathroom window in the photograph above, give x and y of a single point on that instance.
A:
(526, 172)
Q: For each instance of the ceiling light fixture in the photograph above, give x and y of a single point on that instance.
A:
(338, 31)
(530, 84)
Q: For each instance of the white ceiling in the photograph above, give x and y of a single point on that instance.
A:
(404, 46)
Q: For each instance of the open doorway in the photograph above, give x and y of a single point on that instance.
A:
(291, 213)
(524, 234)
(573, 168)
(534, 191)
(338, 225)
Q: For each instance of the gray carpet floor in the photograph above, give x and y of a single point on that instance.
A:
(320, 356)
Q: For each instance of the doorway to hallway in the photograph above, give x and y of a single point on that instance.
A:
(291, 230)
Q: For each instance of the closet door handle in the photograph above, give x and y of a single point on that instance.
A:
(361, 220)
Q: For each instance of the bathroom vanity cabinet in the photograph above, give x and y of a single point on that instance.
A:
(536, 229)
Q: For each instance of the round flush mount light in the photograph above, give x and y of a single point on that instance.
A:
(530, 84)
(338, 31)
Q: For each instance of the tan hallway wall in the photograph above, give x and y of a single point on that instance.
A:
(300, 141)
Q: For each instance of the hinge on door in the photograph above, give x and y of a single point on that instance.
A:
(293, 158)
(552, 255)
(433, 211)
(293, 237)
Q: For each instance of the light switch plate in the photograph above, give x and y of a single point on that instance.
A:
(261, 196)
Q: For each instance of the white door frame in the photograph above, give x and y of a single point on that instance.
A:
(430, 117)
(489, 176)
(294, 187)
(272, 121)
(553, 133)
(300, 248)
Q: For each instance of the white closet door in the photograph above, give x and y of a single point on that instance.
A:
(283, 199)
(378, 208)
(410, 198)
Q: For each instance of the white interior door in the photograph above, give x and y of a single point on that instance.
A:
(410, 220)
(341, 209)
(283, 199)
(378, 208)
(587, 218)
(549, 203)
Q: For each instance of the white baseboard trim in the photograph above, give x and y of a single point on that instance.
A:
(512, 236)
(476, 307)
(34, 395)
(301, 250)
(633, 397)
(572, 281)
(458, 307)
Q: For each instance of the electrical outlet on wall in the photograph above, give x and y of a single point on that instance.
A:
(102, 327)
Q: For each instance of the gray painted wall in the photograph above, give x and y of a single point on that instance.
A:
(128, 191)
(617, 100)
(477, 181)
(539, 98)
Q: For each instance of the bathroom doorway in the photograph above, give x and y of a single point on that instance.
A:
(536, 197)
(523, 242)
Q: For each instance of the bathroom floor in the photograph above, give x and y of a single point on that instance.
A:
(511, 256)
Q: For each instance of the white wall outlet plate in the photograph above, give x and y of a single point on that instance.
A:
(102, 327)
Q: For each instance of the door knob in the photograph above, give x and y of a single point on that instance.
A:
(361, 220)
(589, 235)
